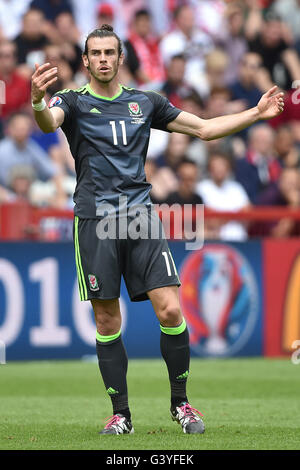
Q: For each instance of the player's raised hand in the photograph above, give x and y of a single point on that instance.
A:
(43, 76)
(270, 104)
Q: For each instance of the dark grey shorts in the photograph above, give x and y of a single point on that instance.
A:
(145, 264)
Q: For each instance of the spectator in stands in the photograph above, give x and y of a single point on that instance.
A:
(17, 148)
(192, 103)
(163, 182)
(197, 148)
(250, 83)
(175, 151)
(68, 40)
(260, 167)
(213, 76)
(165, 179)
(175, 88)
(285, 192)
(16, 89)
(233, 40)
(145, 44)
(31, 41)
(54, 55)
(247, 86)
(220, 192)
(56, 146)
(287, 152)
(219, 102)
(21, 178)
(279, 58)
(187, 173)
(186, 195)
(131, 71)
(188, 40)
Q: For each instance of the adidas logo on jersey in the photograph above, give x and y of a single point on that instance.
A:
(95, 110)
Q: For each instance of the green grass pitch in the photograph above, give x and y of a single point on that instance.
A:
(247, 403)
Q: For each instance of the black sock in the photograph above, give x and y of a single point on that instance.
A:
(175, 349)
(113, 362)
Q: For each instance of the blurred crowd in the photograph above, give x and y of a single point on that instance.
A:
(209, 57)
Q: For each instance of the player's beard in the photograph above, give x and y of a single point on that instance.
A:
(104, 80)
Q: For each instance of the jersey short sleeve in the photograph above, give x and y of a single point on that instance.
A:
(66, 101)
(163, 113)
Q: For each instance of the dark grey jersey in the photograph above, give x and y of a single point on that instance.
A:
(109, 138)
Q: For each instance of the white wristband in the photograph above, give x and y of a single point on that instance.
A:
(39, 106)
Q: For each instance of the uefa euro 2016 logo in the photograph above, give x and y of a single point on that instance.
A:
(219, 298)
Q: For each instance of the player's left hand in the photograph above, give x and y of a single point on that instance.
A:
(270, 104)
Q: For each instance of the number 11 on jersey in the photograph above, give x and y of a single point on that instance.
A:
(114, 132)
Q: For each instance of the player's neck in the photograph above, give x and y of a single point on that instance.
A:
(109, 90)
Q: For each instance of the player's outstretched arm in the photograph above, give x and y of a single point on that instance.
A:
(269, 106)
(48, 120)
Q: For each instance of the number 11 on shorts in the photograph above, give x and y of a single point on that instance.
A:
(166, 255)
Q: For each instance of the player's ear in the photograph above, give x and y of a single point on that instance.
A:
(85, 60)
(121, 58)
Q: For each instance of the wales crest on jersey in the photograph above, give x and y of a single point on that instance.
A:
(134, 109)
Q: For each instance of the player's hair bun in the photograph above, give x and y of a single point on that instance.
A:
(107, 27)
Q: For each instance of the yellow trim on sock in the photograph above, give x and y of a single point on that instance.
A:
(106, 339)
(174, 330)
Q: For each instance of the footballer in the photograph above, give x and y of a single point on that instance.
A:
(108, 128)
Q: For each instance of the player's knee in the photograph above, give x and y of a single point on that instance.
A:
(107, 324)
(107, 317)
(170, 315)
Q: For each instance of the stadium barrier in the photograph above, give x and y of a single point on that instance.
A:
(239, 299)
